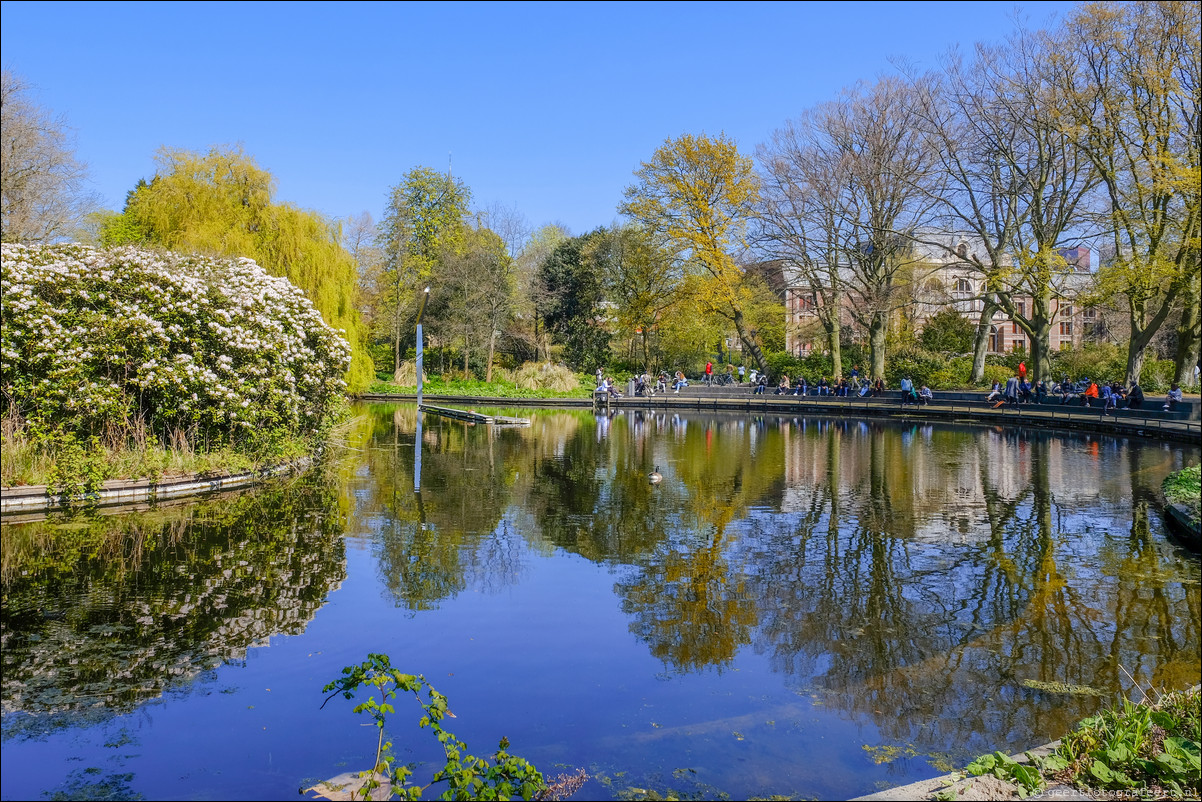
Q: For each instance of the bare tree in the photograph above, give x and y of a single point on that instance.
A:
(867, 153)
(799, 219)
(43, 187)
(1014, 182)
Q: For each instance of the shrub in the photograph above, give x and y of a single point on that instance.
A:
(545, 376)
(130, 337)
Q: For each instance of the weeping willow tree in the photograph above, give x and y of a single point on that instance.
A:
(219, 203)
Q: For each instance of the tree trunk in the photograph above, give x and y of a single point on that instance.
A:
(396, 332)
(492, 349)
(1189, 334)
(832, 344)
(980, 344)
(876, 345)
(760, 360)
(1137, 346)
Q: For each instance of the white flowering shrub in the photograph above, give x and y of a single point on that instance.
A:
(214, 348)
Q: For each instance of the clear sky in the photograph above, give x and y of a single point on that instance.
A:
(547, 107)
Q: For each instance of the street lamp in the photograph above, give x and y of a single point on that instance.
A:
(420, 310)
(417, 440)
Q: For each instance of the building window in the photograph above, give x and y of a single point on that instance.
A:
(1014, 328)
(1066, 328)
(995, 340)
(1066, 310)
(1021, 306)
(1089, 313)
(963, 285)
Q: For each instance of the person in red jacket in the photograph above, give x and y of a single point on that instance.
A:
(1090, 392)
(709, 372)
(1022, 371)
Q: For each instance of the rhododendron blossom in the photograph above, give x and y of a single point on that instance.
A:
(89, 338)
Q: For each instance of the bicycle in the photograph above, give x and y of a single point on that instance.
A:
(724, 379)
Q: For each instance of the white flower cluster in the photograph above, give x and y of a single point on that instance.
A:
(90, 337)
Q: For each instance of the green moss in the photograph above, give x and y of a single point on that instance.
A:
(1185, 487)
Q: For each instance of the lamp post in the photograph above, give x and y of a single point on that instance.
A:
(417, 444)
(420, 310)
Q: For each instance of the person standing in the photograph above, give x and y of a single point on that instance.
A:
(741, 370)
(709, 372)
(1022, 371)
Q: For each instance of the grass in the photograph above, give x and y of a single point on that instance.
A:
(1185, 487)
(527, 382)
(68, 465)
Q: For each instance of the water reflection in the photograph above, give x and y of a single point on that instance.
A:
(102, 614)
(957, 586)
(952, 589)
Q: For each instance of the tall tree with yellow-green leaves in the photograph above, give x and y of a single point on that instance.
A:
(424, 219)
(697, 195)
(1131, 81)
(220, 203)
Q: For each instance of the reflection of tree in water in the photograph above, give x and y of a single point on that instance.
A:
(108, 612)
(687, 600)
(945, 582)
(965, 644)
(428, 543)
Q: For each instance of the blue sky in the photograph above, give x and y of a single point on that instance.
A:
(546, 107)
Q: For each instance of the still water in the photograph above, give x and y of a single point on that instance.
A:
(802, 607)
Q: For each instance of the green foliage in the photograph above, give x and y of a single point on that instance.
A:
(136, 344)
(220, 203)
(1136, 746)
(499, 776)
(948, 332)
(1185, 487)
(456, 384)
(1025, 776)
(79, 468)
(571, 302)
(921, 367)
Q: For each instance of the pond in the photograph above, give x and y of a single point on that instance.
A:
(802, 607)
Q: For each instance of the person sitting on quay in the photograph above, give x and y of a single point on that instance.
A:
(925, 396)
(1068, 393)
(1174, 397)
(842, 389)
(661, 384)
(802, 387)
(1091, 392)
(824, 387)
(640, 386)
(761, 386)
(1025, 391)
(1041, 392)
(612, 387)
(681, 381)
(878, 388)
(784, 386)
(995, 394)
(1009, 394)
(1135, 397)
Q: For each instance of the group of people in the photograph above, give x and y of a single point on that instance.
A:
(1017, 389)
(1088, 393)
